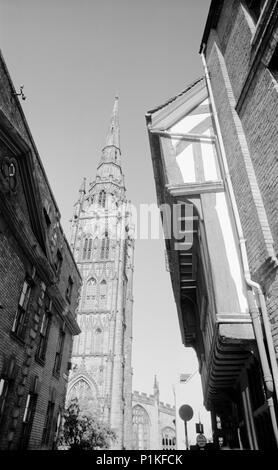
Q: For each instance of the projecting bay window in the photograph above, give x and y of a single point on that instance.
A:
(21, 318)
(273, 64)
(255, 8)
(59, 353)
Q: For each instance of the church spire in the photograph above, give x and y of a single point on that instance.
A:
(111, 151)
(109, 168)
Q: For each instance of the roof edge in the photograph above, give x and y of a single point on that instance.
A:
(212, 19)
(171, 100)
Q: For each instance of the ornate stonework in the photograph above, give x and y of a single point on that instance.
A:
(103, 245)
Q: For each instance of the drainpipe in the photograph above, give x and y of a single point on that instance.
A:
(254, 311)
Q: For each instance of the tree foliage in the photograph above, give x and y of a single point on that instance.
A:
(84, 432)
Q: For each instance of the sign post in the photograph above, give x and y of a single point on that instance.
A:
(186, 414)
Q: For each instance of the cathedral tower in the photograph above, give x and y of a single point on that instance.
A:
(103, 246)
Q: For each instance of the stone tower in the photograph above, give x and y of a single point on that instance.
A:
(103, 245)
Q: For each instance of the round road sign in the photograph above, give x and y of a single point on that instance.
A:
(186, 412)
(201, 440)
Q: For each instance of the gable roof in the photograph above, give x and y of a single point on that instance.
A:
(174, 98)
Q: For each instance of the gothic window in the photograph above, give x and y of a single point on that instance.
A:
(91, 293)
(98, 340)
(140, 428)
(102, 198)
(85, 394)
(105, 244)
(103, 294)
(85, 246)
(168, 438)
(87, 249)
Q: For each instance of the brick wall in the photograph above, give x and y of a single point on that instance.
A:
(28, 247)
(250, 137)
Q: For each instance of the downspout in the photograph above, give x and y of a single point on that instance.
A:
(254, 311)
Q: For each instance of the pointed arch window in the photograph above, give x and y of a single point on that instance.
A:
(87, 248)
(140, 428)
(102, 198)
(105, 245)
(91, 293)
(89, 253)
(103, 294)
(98, 340)
(168, 438)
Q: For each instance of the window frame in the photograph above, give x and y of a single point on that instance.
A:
(20, 322)
(48, 423)
(59, 353)
(28, 418)
(69, 289)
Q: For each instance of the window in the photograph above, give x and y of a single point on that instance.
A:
(85, 246)
(57, 429)
(98, 341)
(140, 428)
(8, 375)
(103, 292)
(69, 289)
(104, 253)
(48, 423)
(28, 418)
(21, 318)
(168, 439)
(102, 198)
(4, 389)
(47, 213)
(58, 261)
(255, 8)
(273, 64)
(59, 353)
(87, 249)
(91, 294)
(43, 336)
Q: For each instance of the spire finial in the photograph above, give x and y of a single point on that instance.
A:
(113, 134)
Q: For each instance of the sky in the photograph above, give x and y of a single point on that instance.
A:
(73, 57)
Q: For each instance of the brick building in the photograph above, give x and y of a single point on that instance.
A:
(214, 151)
(103, 246)
(39, 284)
